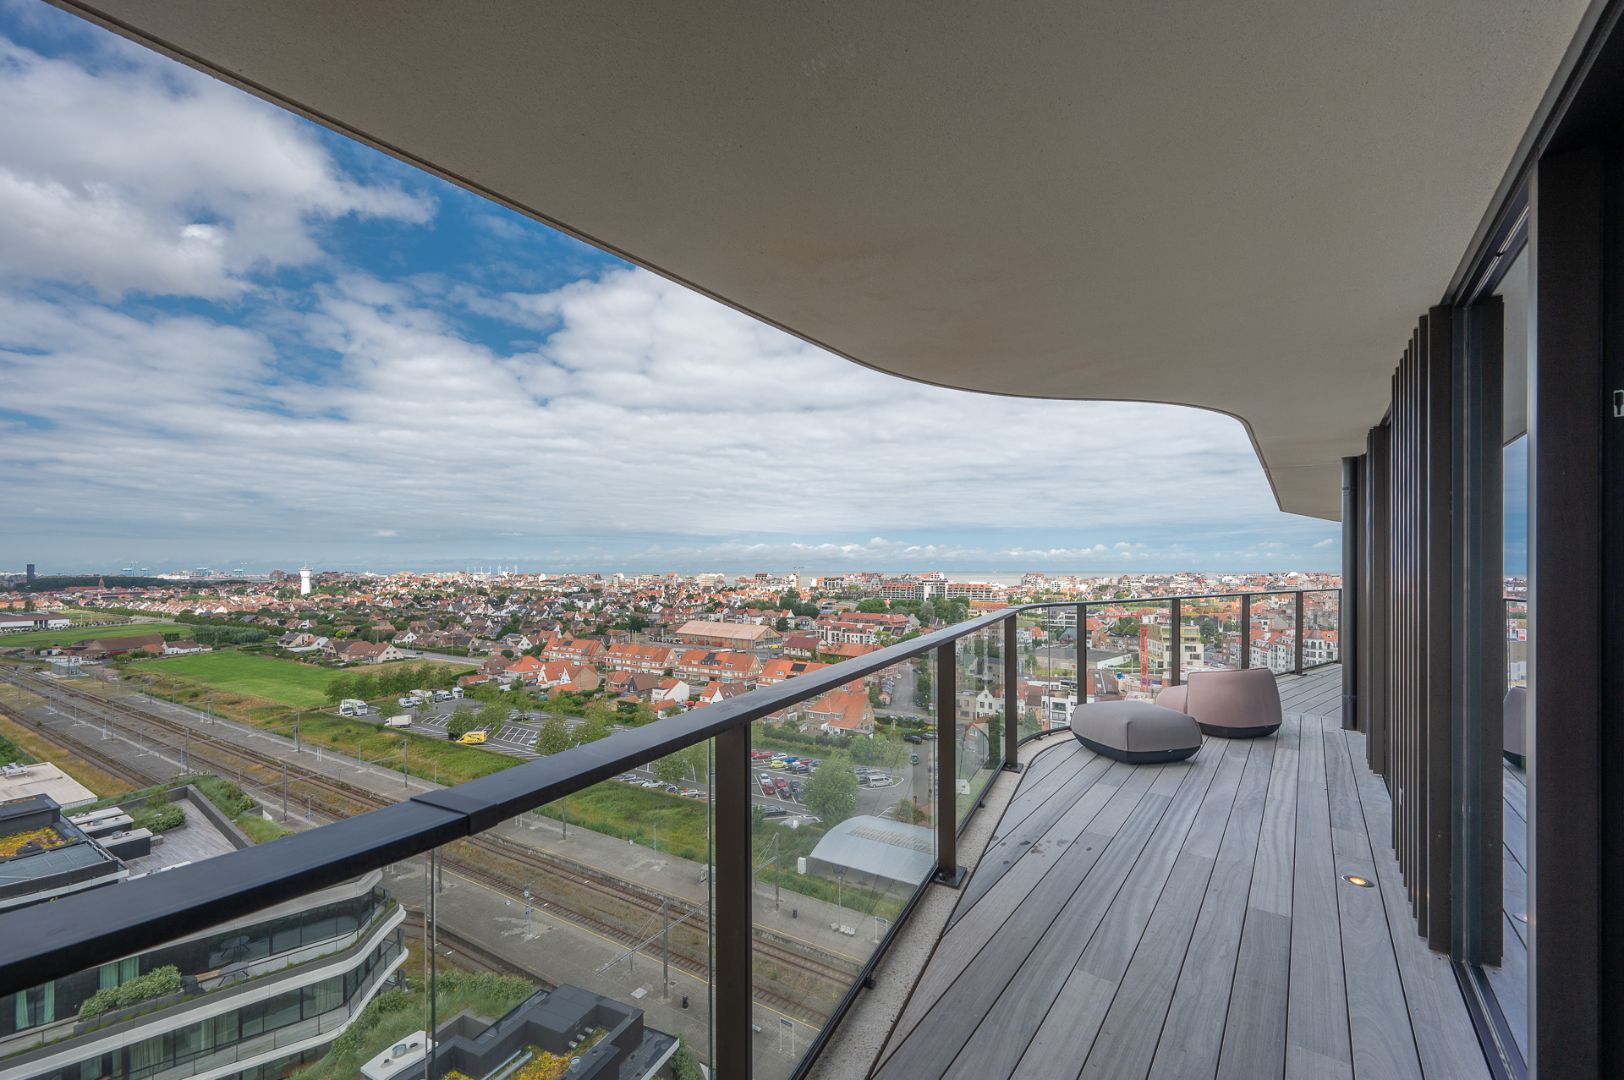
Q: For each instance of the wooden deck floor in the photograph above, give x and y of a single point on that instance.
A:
(1510, 979)
(1190, 920)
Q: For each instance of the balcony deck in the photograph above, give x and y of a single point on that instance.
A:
(1190, 920)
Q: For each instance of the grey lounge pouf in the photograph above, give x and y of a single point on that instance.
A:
(1136, 732)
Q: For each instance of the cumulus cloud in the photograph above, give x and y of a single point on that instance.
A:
(648, 411)
(134, 174)
(615, 420)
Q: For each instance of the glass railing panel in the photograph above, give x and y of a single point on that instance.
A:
(841, 836)
(1270, 635)
(978, 715)
(1032, 643)
(600, 903)
(1210, 634)
(1322, 615)
(1516, 643)
(1135, 635)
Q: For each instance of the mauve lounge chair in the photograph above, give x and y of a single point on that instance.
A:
(1229, 704)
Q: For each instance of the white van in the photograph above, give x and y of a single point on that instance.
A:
(398, 721)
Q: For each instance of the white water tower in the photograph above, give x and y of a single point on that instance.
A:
(304, 581)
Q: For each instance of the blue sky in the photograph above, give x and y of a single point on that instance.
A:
(228, 336)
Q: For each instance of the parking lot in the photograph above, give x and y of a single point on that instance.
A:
(518, 739)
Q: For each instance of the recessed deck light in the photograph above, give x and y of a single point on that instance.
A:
(1361, 882)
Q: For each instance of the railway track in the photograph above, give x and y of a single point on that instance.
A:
(563, 888)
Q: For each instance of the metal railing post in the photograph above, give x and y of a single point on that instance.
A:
(730, 928)
(948, 870)
(1175, 658)
(1082, 653)
(1298, 619)
(1012, 699)
(1246, 630)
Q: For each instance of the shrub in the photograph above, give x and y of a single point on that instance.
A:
(683, 1066)
(155, 983)
(231, 799)
(158, 818)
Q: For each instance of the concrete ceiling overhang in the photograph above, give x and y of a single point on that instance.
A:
(1241, 206)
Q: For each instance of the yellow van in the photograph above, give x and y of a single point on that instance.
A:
(473, 738)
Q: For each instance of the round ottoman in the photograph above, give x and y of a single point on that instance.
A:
(1136, 732)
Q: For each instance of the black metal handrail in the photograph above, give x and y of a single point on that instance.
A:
(79, 931)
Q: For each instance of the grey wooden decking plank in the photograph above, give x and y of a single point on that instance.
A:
(1514, 834)
(987, 950)
(1254, 1042)
(1006, 850)
(1193, 1030)
(1514, 895)
(1349, 841)
(1445, 1039)
(1379, 1025)
(1317, 1004)
(1510, 983)
(1094, 939)
(1058, 764)
(1514, 789)
(1126, 1042)
(1296, 695)
(1277, 841)
(1254, 1036)
(963, 939)
(936, 1040)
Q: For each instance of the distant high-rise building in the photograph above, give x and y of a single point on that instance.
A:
(30, 573)
(304, 581)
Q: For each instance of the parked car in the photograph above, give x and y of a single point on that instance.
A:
(406, 702)
(774, 811)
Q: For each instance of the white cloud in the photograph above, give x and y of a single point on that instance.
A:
(649, 412)
(144, 176)
(1329, 541)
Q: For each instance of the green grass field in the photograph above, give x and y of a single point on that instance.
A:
(287, 682)
(35, 638)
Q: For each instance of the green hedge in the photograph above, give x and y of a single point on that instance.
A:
(155, 983)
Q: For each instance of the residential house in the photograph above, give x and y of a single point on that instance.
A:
(648, 659)
(801, 646)
(840, 712)
(718, 691)
(700, 666)
(776, 671)
(575, 650)
(367, 652)
(723, 635)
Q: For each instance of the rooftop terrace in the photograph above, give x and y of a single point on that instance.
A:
(1189, 920)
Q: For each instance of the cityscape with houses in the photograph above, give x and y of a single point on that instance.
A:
(151, 722)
